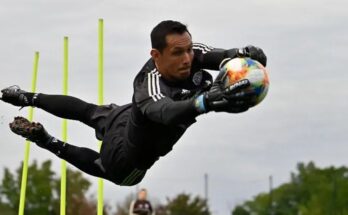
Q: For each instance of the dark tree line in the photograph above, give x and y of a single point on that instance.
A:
(311, 191)
(43, 195)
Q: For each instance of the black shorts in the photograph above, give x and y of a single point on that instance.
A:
(101, 118)
(110, 122)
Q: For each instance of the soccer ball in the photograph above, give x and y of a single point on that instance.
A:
(246, 68)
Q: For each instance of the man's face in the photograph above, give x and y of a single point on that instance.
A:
(142, 195)
(174, 63)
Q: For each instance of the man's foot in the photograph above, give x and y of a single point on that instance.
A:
(15, 96)
(33, 131)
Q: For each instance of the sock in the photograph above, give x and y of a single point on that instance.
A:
(31, 98)
(54, 145)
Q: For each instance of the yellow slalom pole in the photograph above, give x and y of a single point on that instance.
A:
(27, 143)
(64, 129)
(100, 102)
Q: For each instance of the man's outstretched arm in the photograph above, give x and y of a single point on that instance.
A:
(169, 112)
(210, 58)
(166, 111)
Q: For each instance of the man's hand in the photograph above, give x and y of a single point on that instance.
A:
(256, 53)
(253, 52)
(233, 99)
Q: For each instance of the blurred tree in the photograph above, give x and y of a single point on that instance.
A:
(239, 210)
(5, 209)
(161, 210)
(123, 208)
(43, 192)
(76, 188)
(184, 204)
(9, 190)
(39, 193)
(312, 191)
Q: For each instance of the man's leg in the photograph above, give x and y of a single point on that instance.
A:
(85, 159)
(67, 107)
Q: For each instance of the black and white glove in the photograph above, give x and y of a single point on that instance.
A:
(232, 99)
(253, 52)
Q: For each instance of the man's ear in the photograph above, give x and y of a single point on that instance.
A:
(155, 54)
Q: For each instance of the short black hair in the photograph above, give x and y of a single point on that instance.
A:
(160, 31)
(143, 189)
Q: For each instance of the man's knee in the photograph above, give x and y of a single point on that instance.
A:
(88, 114)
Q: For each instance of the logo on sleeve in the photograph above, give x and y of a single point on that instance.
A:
(197, 78)
(185, 92)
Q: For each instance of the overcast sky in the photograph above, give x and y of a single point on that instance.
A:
(303, 118)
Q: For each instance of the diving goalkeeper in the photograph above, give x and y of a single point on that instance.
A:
(170, 91)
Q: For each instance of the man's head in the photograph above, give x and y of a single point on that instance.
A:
(172, 50)
(142, 194)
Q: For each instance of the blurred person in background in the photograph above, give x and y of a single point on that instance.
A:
(141, 206)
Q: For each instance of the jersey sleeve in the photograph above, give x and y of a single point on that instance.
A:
(207, 57)
(152, 97)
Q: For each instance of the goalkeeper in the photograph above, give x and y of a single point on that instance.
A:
(170, 91)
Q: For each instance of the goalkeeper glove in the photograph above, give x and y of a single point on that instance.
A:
(232, 99)
(253, 52)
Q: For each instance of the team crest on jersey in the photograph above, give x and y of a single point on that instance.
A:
(197, 78)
